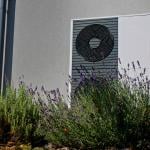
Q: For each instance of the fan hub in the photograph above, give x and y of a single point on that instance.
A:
(94, 43)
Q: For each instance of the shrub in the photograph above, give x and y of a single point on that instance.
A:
(19, 113)
(87, 124)
(131, 106)
(108, 113)
(103, 113)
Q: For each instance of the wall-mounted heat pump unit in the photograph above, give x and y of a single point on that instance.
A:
(99, 42)
(94, 48)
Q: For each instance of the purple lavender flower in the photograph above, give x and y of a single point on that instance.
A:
(82, 77)
(66, 84)
(81, 66)
(35, 89)
(42, 88)
(119, 61)
(93, 77)
(93, 68)
(133, 65)
(53, 92)
(58, 92)
(144, 71)
(120, 75)
(138, 64)
(128, 66)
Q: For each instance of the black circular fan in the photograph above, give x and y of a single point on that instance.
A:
(104, 47)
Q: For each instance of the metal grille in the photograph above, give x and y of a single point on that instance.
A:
(103, 67)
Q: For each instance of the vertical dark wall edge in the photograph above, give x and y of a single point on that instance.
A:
(2, 34)
(9, 43)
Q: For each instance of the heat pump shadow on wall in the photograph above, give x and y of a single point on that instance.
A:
(94, 47)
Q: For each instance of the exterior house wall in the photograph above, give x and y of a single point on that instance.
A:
(41, 50)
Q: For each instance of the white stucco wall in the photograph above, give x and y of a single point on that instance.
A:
(134, 42)
(42, 35)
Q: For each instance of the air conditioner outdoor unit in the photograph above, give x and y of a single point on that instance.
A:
(98, 43)
(94, 48)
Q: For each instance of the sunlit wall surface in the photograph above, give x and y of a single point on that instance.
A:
(42, 36)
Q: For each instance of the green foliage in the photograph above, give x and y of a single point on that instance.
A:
(18, 110)
(87, 124)
(131, 103)
(113, 115)
(106, 114)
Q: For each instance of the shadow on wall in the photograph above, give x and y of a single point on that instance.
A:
(9, 41)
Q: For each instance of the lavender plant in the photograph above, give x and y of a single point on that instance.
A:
(124, 103)
(20, 114)
(104, 112)
(133, 92)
